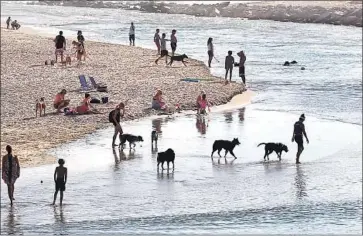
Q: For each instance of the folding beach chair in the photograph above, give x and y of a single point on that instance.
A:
(84, 84)
(100, 87)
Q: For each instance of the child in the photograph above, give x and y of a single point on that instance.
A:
(173, 42)
(229, 63)
(164, 52)
(79, 50)
(60, 179)
(203, 104)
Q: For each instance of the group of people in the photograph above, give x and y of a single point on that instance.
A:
(161, 44)
(14, 24)
(85, 106)
(61, 46)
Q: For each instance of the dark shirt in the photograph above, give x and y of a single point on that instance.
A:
(118, 116)
(299, 128)
(59, 41)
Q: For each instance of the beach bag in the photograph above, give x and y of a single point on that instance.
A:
(95, 100)
(104, 99)
(102, 89)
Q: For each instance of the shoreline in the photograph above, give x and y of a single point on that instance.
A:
(348, 13)
(25, 78)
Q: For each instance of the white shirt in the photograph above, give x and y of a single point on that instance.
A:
(162, 44)
(132, 30)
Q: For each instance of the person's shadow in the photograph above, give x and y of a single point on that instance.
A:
(58, 216)
(11, 222)
(300, 183)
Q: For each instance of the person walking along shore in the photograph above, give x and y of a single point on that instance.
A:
(10, 171)
(210, 51)
(297, 136)
(132, 34)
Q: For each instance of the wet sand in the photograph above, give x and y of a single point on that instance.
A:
(129, 72)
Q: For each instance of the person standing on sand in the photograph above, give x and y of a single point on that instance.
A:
(114, 117)
(60, 45)
(164, 52)
(59, 101)
(8, 22)
(297, 136)
(81, 40)
(157, 40)
(60, 179)
(242, 60)
(10, 171)
(229, 63)
(173, 42)
(210, 51)
(132, 34)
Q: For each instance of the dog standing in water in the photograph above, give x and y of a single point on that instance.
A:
(132, 139)
(167, 156)
(226, 145)
(274, 147)
(40, 106)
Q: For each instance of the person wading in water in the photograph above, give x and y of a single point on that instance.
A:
(297, 136)
(10, 171)
(114, 117)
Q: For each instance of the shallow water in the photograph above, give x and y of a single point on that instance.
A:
(123, 193)
(112, 192)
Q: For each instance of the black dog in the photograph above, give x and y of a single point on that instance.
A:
(226, 145)
(130, 138)
(154, 138)
(167, 156)
(178, 58)
(271, 147)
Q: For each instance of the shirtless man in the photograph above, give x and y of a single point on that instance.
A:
(297, 136)
(60, 179)
(242, 60)
(157, 40)
(114, 117)
(173, 42)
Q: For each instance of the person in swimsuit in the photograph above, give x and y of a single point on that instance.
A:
(164, 52)
(157, 40)
(158, 102)
(297, 136)
(79, 50)
(242, 60)
(85, 107)
(59, 101)
(8, 22)
(132, 34)
(81, 40)
(229, 63)
(210, 51)
(173, 42)
(115, 117)
(60, 179)
(199, 98)
(203, 104)
(60, 46)
(10, 171)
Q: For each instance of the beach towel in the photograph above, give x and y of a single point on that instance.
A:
(189, 80)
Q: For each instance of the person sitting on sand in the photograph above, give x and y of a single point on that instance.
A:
(79, 50)
(60, 179)
(229, 63)
(203, 104)
(85, 107)
(15, 25)
(60, 45)
(59, 101)
(158, 102)
(8, 22)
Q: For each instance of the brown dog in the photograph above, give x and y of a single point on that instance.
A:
(39, 106)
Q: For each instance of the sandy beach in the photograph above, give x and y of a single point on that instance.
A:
(129, 72)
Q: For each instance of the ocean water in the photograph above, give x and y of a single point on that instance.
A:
(122, 192)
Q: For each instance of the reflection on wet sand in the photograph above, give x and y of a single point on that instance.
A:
(228, 116)
(165, 174)
(11, 222)
(156, 125)
(241, 114)
(202, 125)
(300, 183)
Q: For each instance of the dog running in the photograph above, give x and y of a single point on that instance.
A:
(167, 156)
(178, 58)
(39, 106)
(132, 139)
(226, 145)
(274, 147)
